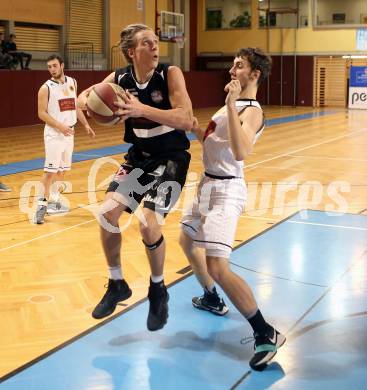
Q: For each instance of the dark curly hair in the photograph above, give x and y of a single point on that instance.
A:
(258, 61)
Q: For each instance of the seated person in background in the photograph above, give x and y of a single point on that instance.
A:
(6, 60)
(2, 42)
(11, 48)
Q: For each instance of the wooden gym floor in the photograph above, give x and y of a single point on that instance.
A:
(52, 275)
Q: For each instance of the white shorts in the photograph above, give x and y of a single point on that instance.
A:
(59, 151)
(211, 220)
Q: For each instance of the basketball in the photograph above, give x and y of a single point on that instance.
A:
(100, 103)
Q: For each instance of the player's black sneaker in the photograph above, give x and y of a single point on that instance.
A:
(266, 346)
(117, 291)
(158, 306)
(211, 301)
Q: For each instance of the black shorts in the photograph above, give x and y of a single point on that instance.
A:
(158, 188)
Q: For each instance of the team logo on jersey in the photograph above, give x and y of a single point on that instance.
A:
(67, 104)
(210, 129)
(156, 96)
(71, 88)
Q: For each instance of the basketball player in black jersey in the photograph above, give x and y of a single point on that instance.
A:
(156, 110)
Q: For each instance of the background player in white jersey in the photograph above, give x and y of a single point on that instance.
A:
(156, 111)
(57, 108)
(211, 221)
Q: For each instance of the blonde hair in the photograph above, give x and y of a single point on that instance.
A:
(127, 36)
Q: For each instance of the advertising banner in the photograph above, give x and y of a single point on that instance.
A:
(358, 87)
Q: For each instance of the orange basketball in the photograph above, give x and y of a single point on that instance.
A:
(100, 103)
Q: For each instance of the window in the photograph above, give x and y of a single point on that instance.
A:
(283, 13)
(337, 13)
(214, 18)
(228, 14)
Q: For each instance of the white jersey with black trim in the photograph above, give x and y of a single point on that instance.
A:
(61, 103)
(217, 153)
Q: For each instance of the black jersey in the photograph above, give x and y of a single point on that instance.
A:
(146, 135)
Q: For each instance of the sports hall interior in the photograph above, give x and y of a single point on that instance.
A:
(301, 242)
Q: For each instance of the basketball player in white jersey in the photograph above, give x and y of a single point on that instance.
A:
(210, 223)
(57, 108)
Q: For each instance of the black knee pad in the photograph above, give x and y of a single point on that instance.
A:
(151, 247)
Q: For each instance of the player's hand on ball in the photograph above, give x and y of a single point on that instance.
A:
(130, 107)
(82, 99)
(101, 103)
(234, 89)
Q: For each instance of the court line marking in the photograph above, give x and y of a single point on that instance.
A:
(270, 275)
(291, 333)
(243, 377)
(334, 285)
(329, 158)
(328, 225)
(88, 155)
(254, 165)
(90, 330)
(46, 235)
(242, 216)
(308, 223)
(122, 148)
(122, 312)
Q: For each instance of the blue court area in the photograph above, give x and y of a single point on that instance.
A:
(309, 275)
(38, 163)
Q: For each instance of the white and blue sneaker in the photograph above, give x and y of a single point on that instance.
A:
(56, 208)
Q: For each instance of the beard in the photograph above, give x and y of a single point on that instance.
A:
(58, 75)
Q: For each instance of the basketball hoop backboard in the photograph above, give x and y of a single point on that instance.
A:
(172, 26)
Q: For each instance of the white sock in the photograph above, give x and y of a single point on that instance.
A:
(115, 273)
(156, 279)
(210, 288)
